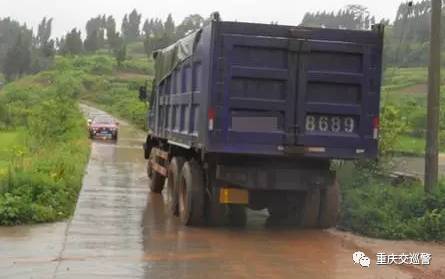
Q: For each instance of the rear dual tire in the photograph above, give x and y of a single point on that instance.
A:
(174, 172)
(191, 192)
(311, 209)
(321, 207)
(157, 180)
(195, 206)
(219, 215)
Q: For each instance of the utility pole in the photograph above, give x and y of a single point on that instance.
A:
(432, 135)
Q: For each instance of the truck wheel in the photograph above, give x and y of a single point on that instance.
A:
(221, 215)
(310, 209)
(174, 170)
(282, 208)
(218, 214)
(191, 194)
(149, 170)
(237, 215)
(157, 180)
(329, 205)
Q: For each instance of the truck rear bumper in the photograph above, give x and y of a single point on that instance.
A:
(342, 153)
(274, 174)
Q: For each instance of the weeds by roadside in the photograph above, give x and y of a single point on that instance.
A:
(373, 207)
(41, 177)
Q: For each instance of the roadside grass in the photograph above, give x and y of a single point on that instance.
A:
(46, 136)
(373, 207)
(410, 145)
(9, 141)
(398, 78)
(138, 65)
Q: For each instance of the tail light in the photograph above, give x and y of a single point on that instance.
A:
(376, 126)
(211, 115)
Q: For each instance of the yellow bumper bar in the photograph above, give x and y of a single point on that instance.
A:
(233, 196)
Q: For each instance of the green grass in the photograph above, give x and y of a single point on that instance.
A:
(138, 65)
(398, 78)
(45, 147)
(136, 50)
(373, 207)
(405, 88)
(410, 145)
(8, 139)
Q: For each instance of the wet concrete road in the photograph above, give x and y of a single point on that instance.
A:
(120, 230)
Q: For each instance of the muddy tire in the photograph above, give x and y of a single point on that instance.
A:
(217, 213)
(156, 179)
(191, 194)
(157, 183)
(174, 171)
(220, 215)
(309, 214)
(329, 205)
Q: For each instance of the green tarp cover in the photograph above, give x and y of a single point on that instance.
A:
(167, 59)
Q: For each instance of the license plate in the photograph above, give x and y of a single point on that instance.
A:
(330, 124)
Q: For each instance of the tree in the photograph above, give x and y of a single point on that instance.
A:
(44, 32)
(95, 34)
(169, 25)
(130, 26)
(120, 50)
(148, 28)
(72, 43)
(18, 58)
(110, 27)
(9, 32)
(189, 24)
(44, 48)
(351, 17)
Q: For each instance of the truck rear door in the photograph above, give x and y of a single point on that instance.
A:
(338, 89)
(310, 88)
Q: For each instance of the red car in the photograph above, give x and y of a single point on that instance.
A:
(103, 127)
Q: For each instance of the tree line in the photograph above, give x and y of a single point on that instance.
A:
(406, 38)
(23, 51)
(354, 17)
(101, 33)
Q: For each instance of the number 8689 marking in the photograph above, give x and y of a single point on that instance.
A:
(334, 124)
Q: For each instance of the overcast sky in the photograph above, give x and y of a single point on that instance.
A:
(68, 14)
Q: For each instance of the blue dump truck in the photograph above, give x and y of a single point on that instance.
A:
(250, 116)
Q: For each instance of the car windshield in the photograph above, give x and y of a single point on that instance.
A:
(103, 121)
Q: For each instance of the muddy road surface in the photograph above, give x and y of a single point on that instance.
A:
(120, 230)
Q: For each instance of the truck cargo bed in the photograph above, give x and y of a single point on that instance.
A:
(241, 88)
